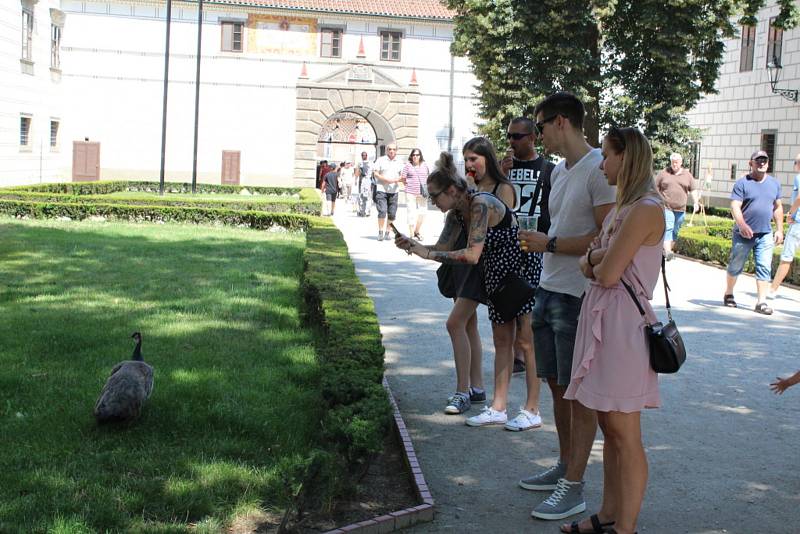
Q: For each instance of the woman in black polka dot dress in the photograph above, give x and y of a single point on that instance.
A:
(492, 237)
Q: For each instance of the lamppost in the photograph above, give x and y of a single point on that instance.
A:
(774, 68)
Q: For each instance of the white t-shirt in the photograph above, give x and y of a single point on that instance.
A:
(388, 168)
(574, 194)
(348, 176)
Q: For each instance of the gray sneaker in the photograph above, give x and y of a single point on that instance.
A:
(458, 403)
(565, 501)
(546, 481)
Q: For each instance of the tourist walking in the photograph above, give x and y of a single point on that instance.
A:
(611, 371)
(386, 171)
(492, 239)
(481, 163)
(792, 239)
(580, 199)
(674, 184)
(755, 200)
(415, 176)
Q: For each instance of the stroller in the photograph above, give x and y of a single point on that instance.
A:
(364, 196)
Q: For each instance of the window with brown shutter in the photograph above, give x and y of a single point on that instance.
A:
(25, 130)
(232, 36)
(774, 43)
(27, 35)
(230, 167)
(390, 45)
(55, 46)
(748, 48)
(54, 124)
(768, 141)
(330, 44)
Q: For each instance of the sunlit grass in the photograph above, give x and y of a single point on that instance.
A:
(235, 394)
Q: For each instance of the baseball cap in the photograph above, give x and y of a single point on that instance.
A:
(759, 154)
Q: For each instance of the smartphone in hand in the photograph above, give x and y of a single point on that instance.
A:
(395, 230)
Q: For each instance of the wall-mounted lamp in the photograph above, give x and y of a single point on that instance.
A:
(774, 68)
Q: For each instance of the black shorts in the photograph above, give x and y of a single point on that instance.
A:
(386, 203)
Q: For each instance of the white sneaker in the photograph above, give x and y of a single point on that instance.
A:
(488, 416)
(771, 294)
(524, 420)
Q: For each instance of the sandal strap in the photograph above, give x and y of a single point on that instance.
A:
(599, 527)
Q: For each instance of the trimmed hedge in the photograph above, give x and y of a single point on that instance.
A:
(713, 243)
(80, 211)
(105, 187)
(311, 206)
(351, 354)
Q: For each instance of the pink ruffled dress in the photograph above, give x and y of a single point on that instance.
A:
(610, 366)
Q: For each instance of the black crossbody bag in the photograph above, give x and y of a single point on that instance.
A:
(667, 351)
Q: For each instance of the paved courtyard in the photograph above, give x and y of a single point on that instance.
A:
(722, 449)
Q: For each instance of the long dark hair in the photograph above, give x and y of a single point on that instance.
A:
(483, 147)
(446, 174)
(411, 155)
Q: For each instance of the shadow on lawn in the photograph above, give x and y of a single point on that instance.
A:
(235, 397)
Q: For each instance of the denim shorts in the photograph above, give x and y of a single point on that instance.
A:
(673, 221)
(386, 203)
(790, 243)
(761, 245)
(555, 324)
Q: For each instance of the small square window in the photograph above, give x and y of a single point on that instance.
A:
(54, 133)
(232, 33)
(390, 45)
(24, 131)
(330, 42)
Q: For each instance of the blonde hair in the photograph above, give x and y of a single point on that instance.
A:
(635, 178)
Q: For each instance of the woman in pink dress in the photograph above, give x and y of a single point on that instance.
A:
(611, 368)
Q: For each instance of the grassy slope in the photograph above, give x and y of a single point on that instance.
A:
(235, 386)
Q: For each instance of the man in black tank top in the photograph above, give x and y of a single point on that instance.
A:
(525, 170)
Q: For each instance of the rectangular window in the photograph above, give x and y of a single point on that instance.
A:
(390, 45)
(55, 46)
(27, 35)
(768, 141)
(774, 43)
(748, 48)
(54, 133)
(232, 36)
(330, 42)
(25, 130)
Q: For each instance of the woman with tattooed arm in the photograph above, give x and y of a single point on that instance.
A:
(491, 236)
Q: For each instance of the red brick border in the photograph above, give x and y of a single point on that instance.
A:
(410, 516)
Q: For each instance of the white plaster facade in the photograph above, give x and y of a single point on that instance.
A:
(112, 80)
(29, 88)
(733, 120)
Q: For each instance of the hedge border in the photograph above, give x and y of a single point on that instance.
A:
(287, 205)
(115, 186)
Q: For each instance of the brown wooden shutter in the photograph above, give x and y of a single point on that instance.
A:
(85, 161)
(230, 167)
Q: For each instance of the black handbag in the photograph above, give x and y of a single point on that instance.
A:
(511, 295)
(667, 351)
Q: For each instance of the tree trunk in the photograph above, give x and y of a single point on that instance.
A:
(591, 126)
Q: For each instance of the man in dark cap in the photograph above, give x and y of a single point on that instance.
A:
(755, 201)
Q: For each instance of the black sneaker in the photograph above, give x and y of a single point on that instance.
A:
(519, 366)
(476, 397)
(458, 403)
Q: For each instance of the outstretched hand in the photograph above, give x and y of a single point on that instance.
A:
(404, 243)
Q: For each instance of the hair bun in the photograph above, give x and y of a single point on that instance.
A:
(445, 162)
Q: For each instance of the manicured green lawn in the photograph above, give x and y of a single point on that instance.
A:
(235, 401)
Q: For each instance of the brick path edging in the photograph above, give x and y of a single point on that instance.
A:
(402, 518)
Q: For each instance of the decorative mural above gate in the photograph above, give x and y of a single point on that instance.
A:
(291, 36)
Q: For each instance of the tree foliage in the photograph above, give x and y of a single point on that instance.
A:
(632, 62)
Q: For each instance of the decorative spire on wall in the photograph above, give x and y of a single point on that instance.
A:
(304, 71)
(413, 77)
(361, 53)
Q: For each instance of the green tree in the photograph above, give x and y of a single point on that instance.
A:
(632, 62)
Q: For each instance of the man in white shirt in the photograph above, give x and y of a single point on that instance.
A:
(580, 199)
(387, 177)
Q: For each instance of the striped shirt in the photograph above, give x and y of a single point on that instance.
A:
(414, 176)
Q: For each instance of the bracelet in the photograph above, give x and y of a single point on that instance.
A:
(427, 253)
(589, 257)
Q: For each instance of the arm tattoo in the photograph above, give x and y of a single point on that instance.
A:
(449, 233)
(479, 223)
(454, 257)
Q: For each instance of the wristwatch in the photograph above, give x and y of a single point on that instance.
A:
(551, 245)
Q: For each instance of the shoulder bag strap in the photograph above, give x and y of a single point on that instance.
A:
(666, 291)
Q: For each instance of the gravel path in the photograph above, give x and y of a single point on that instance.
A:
(721, 449)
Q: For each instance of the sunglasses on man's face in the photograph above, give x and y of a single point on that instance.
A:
(517, 136)
(762, 160)
(540, 124)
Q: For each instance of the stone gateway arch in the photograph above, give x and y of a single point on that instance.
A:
(390, 108)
